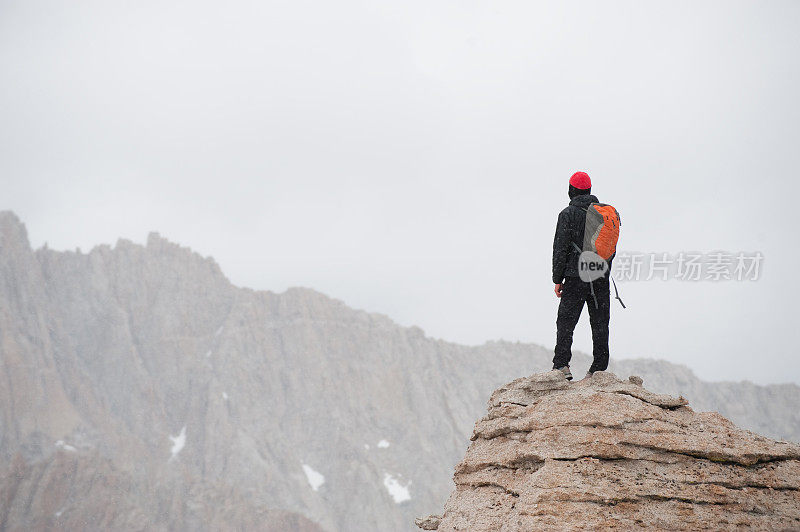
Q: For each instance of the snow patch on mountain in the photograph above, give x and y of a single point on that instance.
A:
(315, 478)
(398, 492)
(61, 445)
(178, 442)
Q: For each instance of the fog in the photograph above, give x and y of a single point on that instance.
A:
(411, 158)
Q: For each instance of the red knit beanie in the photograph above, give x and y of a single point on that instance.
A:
(580, 180)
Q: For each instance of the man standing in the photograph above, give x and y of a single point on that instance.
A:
(574, 292)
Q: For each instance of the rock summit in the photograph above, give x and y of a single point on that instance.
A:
(607, 453)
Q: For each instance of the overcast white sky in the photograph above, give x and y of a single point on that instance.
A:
(411, 157)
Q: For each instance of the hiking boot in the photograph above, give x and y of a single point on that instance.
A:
(567, 373)
(589, 374)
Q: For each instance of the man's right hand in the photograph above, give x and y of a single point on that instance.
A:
(558, 290)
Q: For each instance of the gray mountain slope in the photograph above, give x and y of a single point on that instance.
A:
(112, 355)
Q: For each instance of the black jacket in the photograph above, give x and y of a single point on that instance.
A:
(569, 230)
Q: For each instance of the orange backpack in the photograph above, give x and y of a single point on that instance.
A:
(602, 230)
(600, 238)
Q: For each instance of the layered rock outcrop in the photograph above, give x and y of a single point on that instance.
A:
(607, 453)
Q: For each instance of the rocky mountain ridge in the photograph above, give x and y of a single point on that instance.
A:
(140, 374)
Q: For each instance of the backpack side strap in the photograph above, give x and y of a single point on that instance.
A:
(617, 292)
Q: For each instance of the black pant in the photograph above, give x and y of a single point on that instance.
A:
(574, 293)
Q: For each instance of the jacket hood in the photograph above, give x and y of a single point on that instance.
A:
(584, 200)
